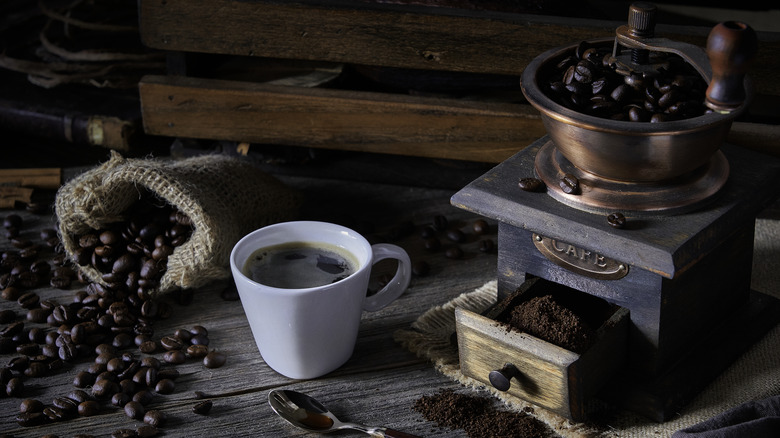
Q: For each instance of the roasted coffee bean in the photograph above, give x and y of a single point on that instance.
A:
(29, 300)
(78, 396)
(230, 293)
(120, 399)
(36, 369)
(480, 226)
(12, 329)
(531, 184)
(440, 222)
(13, 220)
(570, 184)
(171, 343)
(456, 235)
(214, 359)
(453, 252)
(616, 220)
(420, 268)
(8, 315)
(11, 293)
(124, 433)
(37, 315)
(31, 405)
(155, 418)
(14, 387)
(164, 386)
(168, 373)
(146, 431)
(88, 408)
(432, 244)
(487, 246)
(134, 410)
(104, 388)
(143, 396)
(197, 351)
(66, 404)
(175, 357)
(200, 340)
(148, 347)
(29, 419)
(203, 408)
(199, 330)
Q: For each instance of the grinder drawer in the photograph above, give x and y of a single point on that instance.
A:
(533, 369)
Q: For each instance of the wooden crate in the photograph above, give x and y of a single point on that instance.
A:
(416, 39)
(549, 376)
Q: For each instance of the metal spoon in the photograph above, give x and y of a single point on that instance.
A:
(307, 413)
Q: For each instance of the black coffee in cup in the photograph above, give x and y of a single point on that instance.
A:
(298, 265)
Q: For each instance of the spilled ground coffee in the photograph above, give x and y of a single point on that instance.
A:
(477, 416)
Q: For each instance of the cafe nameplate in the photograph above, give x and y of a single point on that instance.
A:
(580, 260)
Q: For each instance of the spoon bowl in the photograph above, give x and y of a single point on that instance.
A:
(303, 411)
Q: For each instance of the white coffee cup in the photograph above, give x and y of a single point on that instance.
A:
(306, 333)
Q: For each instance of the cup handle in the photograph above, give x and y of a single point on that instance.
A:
(400, 281)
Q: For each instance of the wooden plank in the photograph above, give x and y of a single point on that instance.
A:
(42, 178)
(392, 35)
(349, 120)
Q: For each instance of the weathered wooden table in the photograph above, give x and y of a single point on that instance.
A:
(378, 385)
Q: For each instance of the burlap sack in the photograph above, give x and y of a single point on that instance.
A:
(225, 197)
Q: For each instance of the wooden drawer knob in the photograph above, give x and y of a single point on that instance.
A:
(502, 379)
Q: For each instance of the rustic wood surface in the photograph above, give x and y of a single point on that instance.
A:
(380, 383)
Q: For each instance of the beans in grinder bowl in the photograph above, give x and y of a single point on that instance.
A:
(162, 225)
(587, 80)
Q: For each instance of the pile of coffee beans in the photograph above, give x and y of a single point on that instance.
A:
(588, 81)
(109, 326)
(133, 254)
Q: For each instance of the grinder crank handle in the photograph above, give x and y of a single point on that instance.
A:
(731, 47)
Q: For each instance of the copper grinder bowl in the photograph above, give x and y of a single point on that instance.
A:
(623, 150)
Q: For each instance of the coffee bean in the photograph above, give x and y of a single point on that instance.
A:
(230, 293)
(88, 408)
(531, 184)
(13, 220)
(214, 359)
(616, 220)
(120, 399)
(203, 408)
(421, 268)
(143, 396)
(124, 433)
(197, 351)
(486, 246)
(432, 244)
(14, 387)
(29, 419)
(440, 222)
(480, 226)
(155, 417)
(11, 293)
(456, 235)
(147, 431)
(570, 184)
(164, 386)
(134, 410)
(174, 357)
(29, 300)
(31, 405)
(453, 252)
(171, 343)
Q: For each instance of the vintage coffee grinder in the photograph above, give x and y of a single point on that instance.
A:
(656, 219)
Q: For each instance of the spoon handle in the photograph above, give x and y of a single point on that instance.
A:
(392, 433)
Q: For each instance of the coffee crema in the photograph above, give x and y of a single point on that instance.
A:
(300, 265)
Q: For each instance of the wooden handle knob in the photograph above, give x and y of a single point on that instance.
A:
(502, 379)
(731, 47)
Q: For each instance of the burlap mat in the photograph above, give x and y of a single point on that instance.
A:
(754, 376)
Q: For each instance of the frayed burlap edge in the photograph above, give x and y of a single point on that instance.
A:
(430, 337)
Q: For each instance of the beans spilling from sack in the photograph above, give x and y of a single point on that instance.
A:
(133, 254)
(112, 325)
(588, 81)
